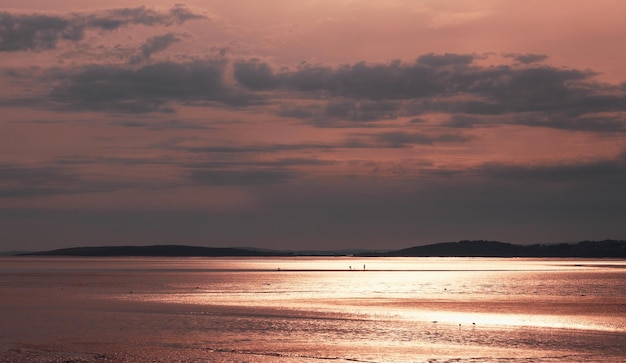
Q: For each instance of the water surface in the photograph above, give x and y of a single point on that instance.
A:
(313, 309)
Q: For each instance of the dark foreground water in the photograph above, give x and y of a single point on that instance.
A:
(312, 310)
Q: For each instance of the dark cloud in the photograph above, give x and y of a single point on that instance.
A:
(527, 58)
(300, 161)
(144, 89)
(388, 81)
(280, 164)
(245, 170)
(115, 18)
(360, 110)
(24, 32)
(300, 111)
(393, 139)
(259, 148)
(538, 89)
(252, 171)
(404, 139)
(23, 181)
(43, 31)
(469, 121)
(255, 75)
(279, 148)
(126, 161)
(310, 78)
(163, 125)
(239, 177)
(62, 177)
(154, 45)
(344, 113)
(448, 83)
(568, 121)
(361, 80)
(455, 106)
(448, 59)
(510, 89)
(614, 122)
(595, 173)
(356, 95)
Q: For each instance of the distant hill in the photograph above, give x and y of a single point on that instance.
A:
(584, 249)
(597, 249)
(13, 253)
(462, 248)
(157, 251)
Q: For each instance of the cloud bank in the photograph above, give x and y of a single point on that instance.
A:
(20, 32)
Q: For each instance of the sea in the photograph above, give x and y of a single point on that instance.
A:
(312, 309)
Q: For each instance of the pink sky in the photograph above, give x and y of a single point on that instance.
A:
(311, 125)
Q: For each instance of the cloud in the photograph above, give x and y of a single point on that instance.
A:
(388, 139)
(24, 181)
(403, 139)
(527, 58)
(469, 121)
(428, 77)
(387, 81)
(361, 80)
(271, 148)
(19, 32)
(343, 112)
(115, 18)
(255, 75)
(26, 32)
(65, 176)
(562, 98)
(448, 82)
(364, 110)
(615, 122)
(280, 148)
(148, 88)
(447, 59)
(280, 163)
(353, 95)
(610, 172)
(256, 176)
(154, 45)
(310, 78)
(534, 89)
(163, 125)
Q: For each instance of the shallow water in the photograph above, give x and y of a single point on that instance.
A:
(312, 309)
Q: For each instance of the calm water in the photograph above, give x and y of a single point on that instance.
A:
(313, 309)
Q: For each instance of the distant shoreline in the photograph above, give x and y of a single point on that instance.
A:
(480, 248)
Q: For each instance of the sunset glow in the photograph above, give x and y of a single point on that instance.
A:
(311, 124)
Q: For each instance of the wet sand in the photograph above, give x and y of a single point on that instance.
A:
(104, 314)
(132, 331)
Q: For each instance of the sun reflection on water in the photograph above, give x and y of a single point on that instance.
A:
(470, 293)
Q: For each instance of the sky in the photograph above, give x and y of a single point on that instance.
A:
(320, 124)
